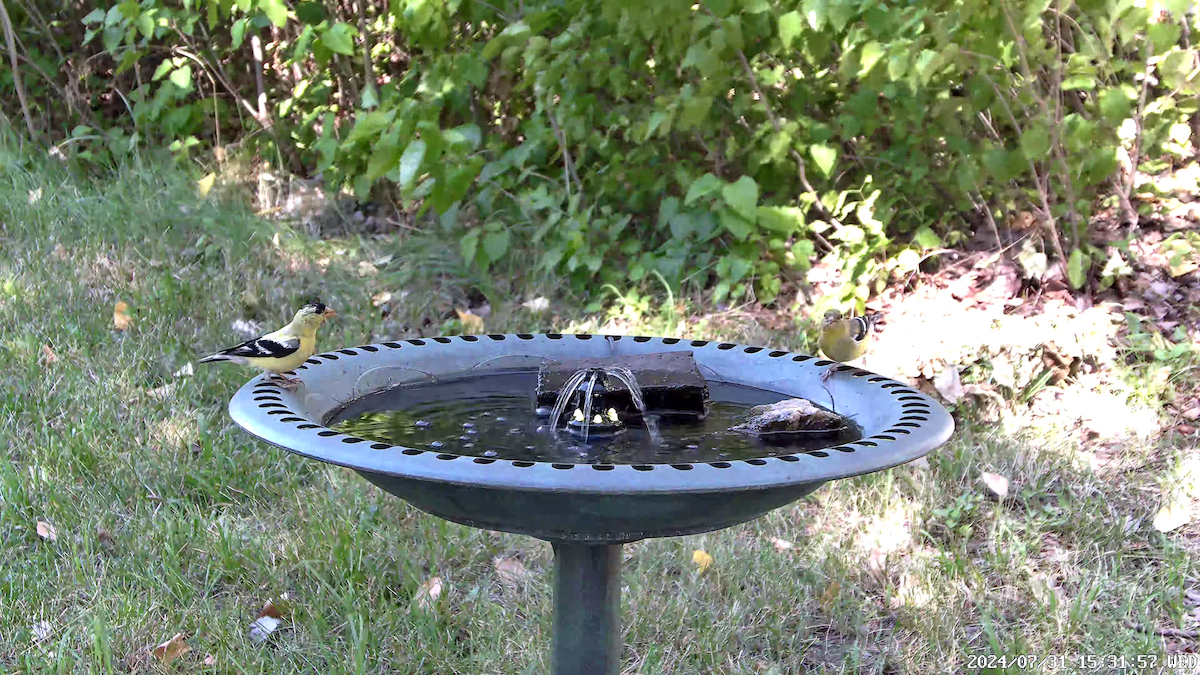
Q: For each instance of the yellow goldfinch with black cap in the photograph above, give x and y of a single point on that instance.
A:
(281, 351)
(844, 338)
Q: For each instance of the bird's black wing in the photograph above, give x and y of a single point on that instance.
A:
(859, 327)
(263, 347)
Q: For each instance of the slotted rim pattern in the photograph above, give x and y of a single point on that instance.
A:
(899, 423)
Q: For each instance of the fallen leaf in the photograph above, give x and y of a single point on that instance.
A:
(186, 371)
(1044, 590)
(172, 649)
(60, 252)
(948, 384)
(830, 594)
(210, 660)
(249, 328)
(1191, 413)
(121, 318)
(877, 566)
(511, 572)
(164, 392)
(538, 304)
(35, 195)
(428, 593)
(276, 607)
(366, 269)
(702, 559)
(381, 298)
(275, 240)
(471, 324)
(1172, 516)
(204, 185)
(995, 482)
(105, 537)
(42, 630)
(46, 531)
(781, 544)
(48, 355)
(262, 628)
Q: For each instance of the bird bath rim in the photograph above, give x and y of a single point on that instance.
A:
(898, 423)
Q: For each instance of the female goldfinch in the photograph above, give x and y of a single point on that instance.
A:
(844, 339)
(283, 350)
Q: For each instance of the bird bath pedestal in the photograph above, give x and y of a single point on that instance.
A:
(588, 511)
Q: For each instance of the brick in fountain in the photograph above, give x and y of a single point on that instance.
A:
(670, 381)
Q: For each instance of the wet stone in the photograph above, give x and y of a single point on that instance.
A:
(422, 424)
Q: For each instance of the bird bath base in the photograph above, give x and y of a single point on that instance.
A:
(587, 510)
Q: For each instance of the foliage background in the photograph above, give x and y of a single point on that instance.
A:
(728, 145)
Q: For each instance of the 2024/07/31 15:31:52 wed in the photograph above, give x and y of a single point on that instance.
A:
(1176, 663)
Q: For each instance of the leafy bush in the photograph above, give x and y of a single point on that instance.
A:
(728, 144)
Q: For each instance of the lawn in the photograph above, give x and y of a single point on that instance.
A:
(163, 518)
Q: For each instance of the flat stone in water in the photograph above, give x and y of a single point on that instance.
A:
(489, 453)
(436, 444)
(468, 425)
(422, 424)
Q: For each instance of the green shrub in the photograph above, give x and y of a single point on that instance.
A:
(730, 144)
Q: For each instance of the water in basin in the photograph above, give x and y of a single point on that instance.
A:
(493, 415)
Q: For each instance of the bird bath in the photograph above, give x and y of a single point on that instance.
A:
(589, 504)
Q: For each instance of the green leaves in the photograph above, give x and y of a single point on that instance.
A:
(1077, 268)
(339, 39)
(410, 162)
(742, 197)
(824, 156)
(276, 11)
(702, 187)
(790, 27)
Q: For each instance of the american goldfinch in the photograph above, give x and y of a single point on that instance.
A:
(283, 350)
(844, 339)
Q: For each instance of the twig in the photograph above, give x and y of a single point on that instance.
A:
(260, 87)
(1139, 123)
(9, 37)
(1164, 632)
(568, 164)
(368, 69)
(800, 164)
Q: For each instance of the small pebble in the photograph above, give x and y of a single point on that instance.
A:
(514, 431)
(468, 425)
(543, 411)
(464, 437)
(487, 414)
(693, 447)
(468, 445)
(530, 447)
(541, 429)
(489, 453)
(472, 432)
(422, 424)
(435, 444)
(501, 419)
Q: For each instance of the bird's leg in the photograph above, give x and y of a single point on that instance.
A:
(285, 382)
(828, 373)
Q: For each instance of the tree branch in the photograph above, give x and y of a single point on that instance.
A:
(10, 38)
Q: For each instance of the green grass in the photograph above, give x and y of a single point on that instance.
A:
(170, 519)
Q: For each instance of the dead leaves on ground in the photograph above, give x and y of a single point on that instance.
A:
(121, 317)
(172, 649)
(269, 618)
(996, 483)
(48, 356)
(427, 594)
(471, 324)
(46, 531)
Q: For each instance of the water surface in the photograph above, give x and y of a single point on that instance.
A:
(494, 416)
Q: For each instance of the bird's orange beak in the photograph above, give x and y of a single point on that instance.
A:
(329, 313)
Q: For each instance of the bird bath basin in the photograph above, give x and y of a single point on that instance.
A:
(590, 504)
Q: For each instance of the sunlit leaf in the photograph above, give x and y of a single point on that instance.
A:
(172, 649)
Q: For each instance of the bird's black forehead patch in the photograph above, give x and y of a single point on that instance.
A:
(318, 307)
